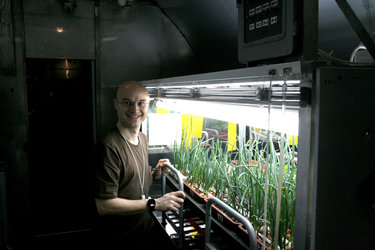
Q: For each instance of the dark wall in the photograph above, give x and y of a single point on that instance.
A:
(43, 20)
(13, 118)
(142, 40)
(336, 35)
(210, 27)
(139, 41)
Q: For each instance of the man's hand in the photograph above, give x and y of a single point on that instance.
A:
(161, 168)
(170, 201)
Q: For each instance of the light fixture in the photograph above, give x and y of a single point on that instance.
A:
(59, 29)
(224, 84)
(280, 120)
(66, 69)
(122, 3)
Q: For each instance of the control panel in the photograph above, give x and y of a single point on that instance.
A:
(263, 19)
(271, 29)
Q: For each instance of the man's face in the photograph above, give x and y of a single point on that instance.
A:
(131, 105)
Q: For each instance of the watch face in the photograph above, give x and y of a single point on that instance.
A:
(151, 204)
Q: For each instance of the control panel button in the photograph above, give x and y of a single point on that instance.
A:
(263, 18)
(258, 9)
(266, 6)
(273, 20)
(252, 12)
(265, 22)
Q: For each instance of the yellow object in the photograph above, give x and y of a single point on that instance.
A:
(232, 136)
(192, 126)
(291, 138)
(162, 111)
(186, 128)
(197, 125)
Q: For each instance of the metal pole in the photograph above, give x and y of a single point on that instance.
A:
(163, 183)
(181, 209)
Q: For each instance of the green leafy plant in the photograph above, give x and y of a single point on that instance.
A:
(239, 178)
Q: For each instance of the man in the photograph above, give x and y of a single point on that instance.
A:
(123, 177)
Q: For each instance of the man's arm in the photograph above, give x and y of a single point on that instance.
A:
(119, 206)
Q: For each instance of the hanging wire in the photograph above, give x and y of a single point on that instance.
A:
(267, 168)
(334, 60)
(281, 173)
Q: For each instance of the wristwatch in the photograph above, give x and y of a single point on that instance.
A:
(151, 203)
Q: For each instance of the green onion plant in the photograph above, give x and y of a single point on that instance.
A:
(239, 178)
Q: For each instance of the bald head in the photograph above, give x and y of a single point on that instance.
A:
(130, 87)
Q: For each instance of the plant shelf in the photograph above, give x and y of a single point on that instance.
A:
(197, 209)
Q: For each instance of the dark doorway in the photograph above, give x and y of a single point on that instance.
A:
(60, 108)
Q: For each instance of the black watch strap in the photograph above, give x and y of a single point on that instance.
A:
(151, 203)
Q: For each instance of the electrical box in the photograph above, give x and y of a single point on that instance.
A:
(273, 29)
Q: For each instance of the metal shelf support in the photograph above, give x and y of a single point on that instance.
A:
(233, 213)
(180, 213)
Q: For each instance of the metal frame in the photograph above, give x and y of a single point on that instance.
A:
(243, 86)
(231, 212)
(282, 71)
(304, 183)
(341, 159)
(298, 70)
(180, 228)
(325, 117)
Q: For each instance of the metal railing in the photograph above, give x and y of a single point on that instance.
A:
(180, 212)
(231, 212)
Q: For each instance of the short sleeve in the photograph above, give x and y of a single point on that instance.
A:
(107, 174)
